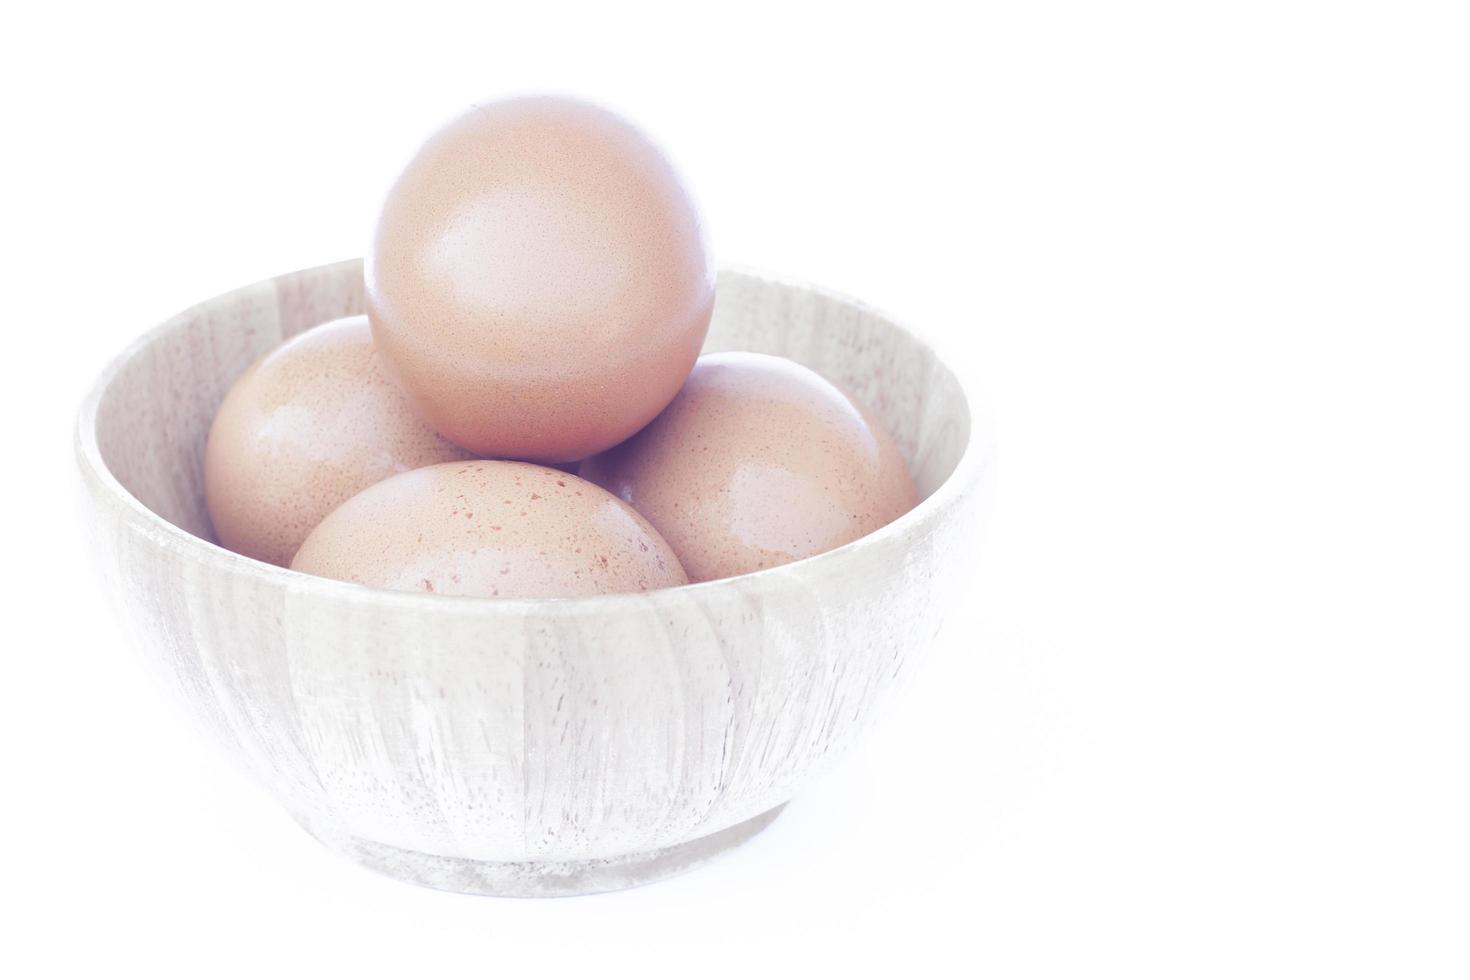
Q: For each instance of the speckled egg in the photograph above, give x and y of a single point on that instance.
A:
(490, 528)
(539, 279)
(757, 462)
(303, 429)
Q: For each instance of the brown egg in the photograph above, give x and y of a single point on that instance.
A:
(759, 461)
(306, 427)
(490, 528)
(539, 279)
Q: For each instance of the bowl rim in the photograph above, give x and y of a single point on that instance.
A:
(976, 460)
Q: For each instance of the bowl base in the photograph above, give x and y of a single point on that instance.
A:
(539, 879)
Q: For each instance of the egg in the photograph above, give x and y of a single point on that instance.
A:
(490, 528)
(539, 280)
(303, 429)
(757, 462)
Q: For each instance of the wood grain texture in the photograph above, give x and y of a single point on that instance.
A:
(492, 738)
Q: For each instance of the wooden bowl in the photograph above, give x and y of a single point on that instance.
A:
(525, 747)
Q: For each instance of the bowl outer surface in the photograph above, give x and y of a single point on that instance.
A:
(516, 730)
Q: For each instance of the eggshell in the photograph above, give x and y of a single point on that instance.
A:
(303, 429)
(490, 528)
(759, 461)
(539, 279)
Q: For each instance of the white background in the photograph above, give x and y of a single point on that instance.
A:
(1207, 715)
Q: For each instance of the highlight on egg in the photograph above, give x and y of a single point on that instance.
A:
(539, 279)
(305, 428)
(757, 462)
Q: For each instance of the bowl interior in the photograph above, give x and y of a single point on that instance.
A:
(154, 408)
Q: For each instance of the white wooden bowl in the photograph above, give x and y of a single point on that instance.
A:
(525, 747)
